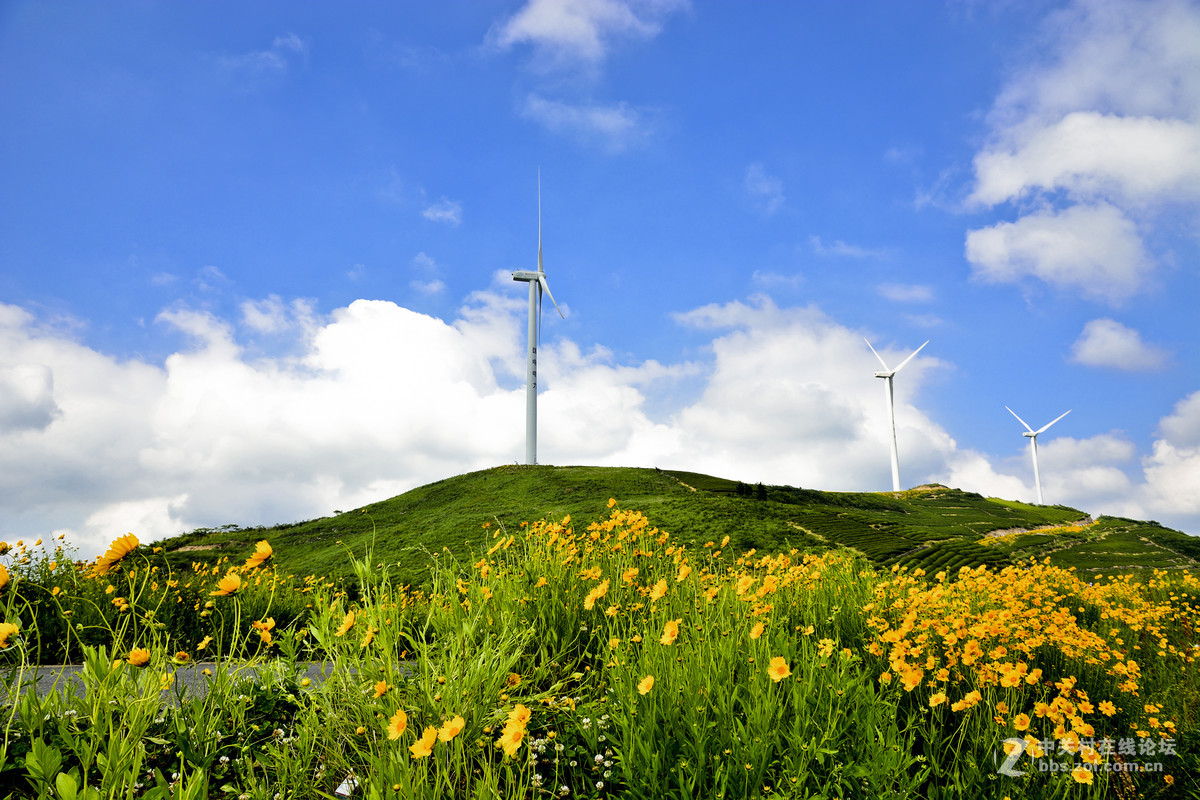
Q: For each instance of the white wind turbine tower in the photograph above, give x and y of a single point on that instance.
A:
(1032, 435)
(887, 375)
(537, 284)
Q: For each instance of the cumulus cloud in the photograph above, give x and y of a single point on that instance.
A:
(1172, 469)
(1133, 160)
(1108, 343)
(1104, 130)
(765, 191)
(27, 397)
(373, 399)
(1095, 250)
(574, 32)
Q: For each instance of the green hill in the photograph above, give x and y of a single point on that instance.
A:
(932, 527)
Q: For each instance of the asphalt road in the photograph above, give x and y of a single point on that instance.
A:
(191, 677)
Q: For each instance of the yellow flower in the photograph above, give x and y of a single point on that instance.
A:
(7, 631)
(120, 548)
(646, 684)
(381, 689)
(228, 585)
(397, 724)
(971, 699)
(614, 642)
(510, 741)
(659, 591)
(826, 648)
(347, 624)
(670, 632)
(204, 643)
(139, 656)
(612, 501)
(595, 594)
(1021, 722)
(1083, 775)
(937, 699)
(513, 680)
(262, 551)
(520, 715)
(3, 576)
(424, 745)
(451, 729)
(1107, 708)
(684, 571)
(757, 630)
(778, 669)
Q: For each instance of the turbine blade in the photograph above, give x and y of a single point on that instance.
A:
(540, 269)
(910, 358)
(1056, 419)
(1023, 422)
(543, 285)
(881, 361)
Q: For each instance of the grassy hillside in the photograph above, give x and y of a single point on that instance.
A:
(932, 527)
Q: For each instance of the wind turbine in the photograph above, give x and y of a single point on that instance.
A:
(537, 285)
(1032, 435)
(887, 375)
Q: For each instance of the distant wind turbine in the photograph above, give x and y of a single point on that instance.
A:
(1032, 435)
(887, 375)
(537, 285)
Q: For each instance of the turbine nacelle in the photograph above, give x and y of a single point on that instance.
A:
(887, 374)
(1032, 435)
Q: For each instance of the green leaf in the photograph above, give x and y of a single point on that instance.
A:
(66, 787)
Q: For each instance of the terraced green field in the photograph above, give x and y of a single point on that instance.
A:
(932, 527)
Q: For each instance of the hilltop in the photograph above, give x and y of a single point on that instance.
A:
(933, 527)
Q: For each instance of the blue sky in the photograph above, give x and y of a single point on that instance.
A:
(255, 259)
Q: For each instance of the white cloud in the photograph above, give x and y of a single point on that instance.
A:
(434, 286)
(840, 248)
(1105, 126)
(615, 127)
(1172, 470)
(906, 293)
(424, 262)
(1095, 250)
(1131, 160)
(261, 65)
(290, 41)
(272, 315)
(447, 211)
(374, 399)
(775, 279)
(1108, 343)
(574, 32)
(765, 191)
(27, 397)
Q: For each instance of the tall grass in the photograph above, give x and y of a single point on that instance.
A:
(602, 662)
